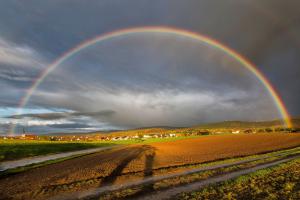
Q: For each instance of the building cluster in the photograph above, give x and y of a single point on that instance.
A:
(142, 135)
(87, 138)
(21, 137)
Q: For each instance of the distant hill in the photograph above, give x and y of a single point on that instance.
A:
(217, 125)
(296, 122)
(245, 124)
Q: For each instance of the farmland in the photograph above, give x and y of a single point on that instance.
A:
(16, 149)
(219, 147)
(280, 182)
(137, 161)
(192, 179)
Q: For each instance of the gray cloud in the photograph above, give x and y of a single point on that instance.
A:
(18, 55)
(71, 126)
(11, 74)
(62, 115)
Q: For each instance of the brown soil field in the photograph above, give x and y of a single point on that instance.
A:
(141, 160)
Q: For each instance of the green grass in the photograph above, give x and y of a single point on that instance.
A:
(279, 182)
(153, 140)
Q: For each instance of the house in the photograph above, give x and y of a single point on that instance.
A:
(248, 131)
(125, 138)
(203, 133)
(236, 132)
(116, 138)
(28, 137)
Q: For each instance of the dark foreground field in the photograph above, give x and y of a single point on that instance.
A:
(137, 162)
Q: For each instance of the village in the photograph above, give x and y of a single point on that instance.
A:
(144, 134)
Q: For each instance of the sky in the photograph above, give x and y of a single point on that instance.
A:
(145, 79)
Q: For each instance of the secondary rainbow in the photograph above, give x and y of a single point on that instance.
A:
(153, 29)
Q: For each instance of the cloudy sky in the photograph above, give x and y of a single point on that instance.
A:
(145, 79)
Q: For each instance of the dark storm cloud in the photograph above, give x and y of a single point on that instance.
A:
(62, 115)
(282, 22)
(14, 83)
(17, 76)
(124, 73)
(74, 20)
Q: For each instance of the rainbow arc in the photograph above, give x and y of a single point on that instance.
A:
(175, 31)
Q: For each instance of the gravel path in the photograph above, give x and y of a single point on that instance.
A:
(38, 159)
(96, 192)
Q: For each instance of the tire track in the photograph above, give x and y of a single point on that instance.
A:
(167, 194)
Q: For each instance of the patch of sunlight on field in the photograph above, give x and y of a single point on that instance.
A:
(16, 149)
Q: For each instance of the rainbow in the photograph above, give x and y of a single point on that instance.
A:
(153, 29)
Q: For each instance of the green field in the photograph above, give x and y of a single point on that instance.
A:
(152, 140)
(16, 149)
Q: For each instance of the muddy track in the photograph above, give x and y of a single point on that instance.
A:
(168, 194)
